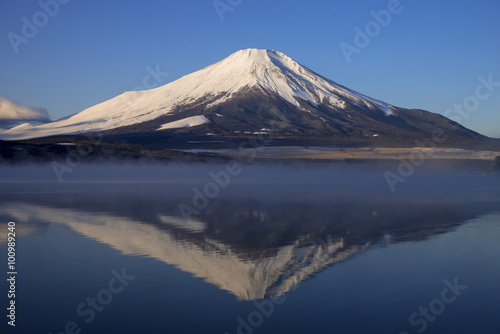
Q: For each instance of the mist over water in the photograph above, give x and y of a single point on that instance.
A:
(269, 182)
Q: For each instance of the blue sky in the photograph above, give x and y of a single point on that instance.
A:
(429, 56)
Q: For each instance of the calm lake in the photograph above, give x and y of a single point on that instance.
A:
(197, 249)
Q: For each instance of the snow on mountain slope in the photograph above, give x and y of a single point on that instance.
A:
(185, 123)
(273, 71)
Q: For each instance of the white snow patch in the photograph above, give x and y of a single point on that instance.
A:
(185, 123)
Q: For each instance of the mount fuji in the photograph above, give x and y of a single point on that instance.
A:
(251, 93)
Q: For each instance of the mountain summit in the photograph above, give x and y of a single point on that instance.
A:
(273, 72)
(251, 92)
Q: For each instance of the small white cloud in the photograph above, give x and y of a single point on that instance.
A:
(12, 111)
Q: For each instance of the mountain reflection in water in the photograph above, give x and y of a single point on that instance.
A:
(251, 247)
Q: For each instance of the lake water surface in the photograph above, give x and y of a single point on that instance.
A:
(121, 249)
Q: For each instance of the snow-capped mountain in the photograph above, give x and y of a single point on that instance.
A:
(251, 92)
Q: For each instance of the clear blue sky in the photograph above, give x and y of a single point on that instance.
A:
(429, 56)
